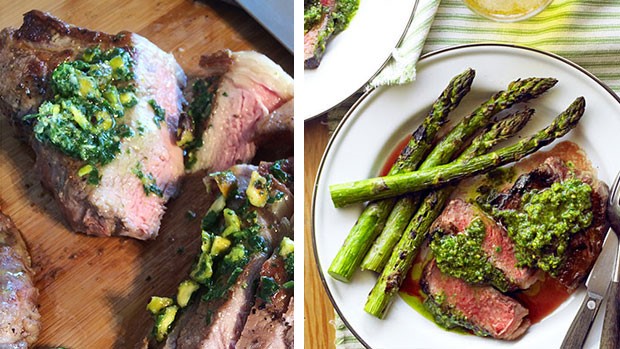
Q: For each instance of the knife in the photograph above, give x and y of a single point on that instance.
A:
(597, 284)
(611, 325)
(610, 338)
(274, 15)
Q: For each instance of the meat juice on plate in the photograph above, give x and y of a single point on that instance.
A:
(542, 298)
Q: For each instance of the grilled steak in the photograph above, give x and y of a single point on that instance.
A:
(497, 246)
(274, 134)
(316, 38)
(266, 326)
(19, 315)
(482, 309)
(584, 246)
(249, 88)
(118, 205)
(218, 323)
(289, 317)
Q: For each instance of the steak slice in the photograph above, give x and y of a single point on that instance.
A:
(118, 205)
(498, 247)
(289, 320)
(274, 133)
(316, 38)
(218, 323)
(223, 319)
(19, 315)
(584, 246)
(482, 309)
(266, 326)
(250, 87)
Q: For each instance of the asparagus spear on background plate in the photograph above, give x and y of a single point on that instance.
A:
(373, 217)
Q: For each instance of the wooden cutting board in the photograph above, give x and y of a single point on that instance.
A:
(94, 291)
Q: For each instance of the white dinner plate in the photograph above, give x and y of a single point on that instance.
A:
(372, 130)
(356, 54)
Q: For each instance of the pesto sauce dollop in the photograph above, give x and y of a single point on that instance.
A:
(313, 11)
(340, 17)
(542, 228)
(83, 119)
(461, 256)
(345, 10)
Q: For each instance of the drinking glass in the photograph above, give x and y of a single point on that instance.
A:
(507, 10)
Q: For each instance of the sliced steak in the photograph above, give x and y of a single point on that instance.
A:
(289, 320)
(118, 205)
(250, 87)
(316, 38)
(586, 245)
(266, 326)
(498, 247)
(19, 315)
(482, 309)
(218, 323)
(274, 134)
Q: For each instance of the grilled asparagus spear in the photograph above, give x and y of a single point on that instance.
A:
(372, 219)
(405, 207)
(400, 260)
(389, 186)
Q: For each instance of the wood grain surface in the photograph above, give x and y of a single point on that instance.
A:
(94, 290)
(318, 310)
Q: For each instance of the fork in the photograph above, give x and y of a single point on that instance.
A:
(611, 325)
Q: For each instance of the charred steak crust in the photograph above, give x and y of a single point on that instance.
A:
(586, 245)
(118, 205)
(19, 315)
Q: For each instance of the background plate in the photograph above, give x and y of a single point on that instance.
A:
(355, 55)
(369, 133)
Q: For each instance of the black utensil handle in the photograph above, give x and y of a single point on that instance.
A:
(578, 330)
(611, 325)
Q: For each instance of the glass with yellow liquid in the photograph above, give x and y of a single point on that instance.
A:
(507, 10)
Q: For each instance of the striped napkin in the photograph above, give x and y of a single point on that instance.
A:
(586, 32)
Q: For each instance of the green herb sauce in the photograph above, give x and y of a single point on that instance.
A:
(542, 229)
(313, 12)
(289, 264)
(337, 21)
(461, 256)
(148, 181)
(199, 111)
(345, 10)
(449, 318)
(160, 114)
(278, 173)
(91, 96)
(228, 244)
(268, 287)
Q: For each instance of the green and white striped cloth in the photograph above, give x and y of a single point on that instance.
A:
(586, 32)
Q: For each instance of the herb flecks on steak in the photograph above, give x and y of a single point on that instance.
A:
(240, 231)
(548, 218)
(84, 118)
